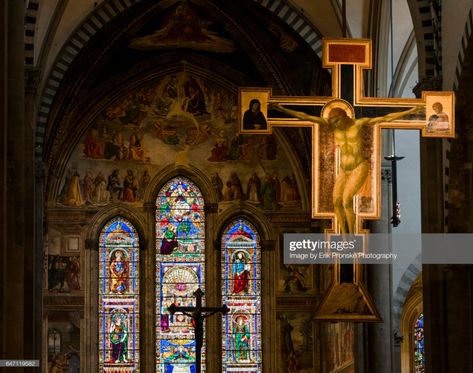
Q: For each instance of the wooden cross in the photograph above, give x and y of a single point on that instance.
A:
(198, 314)
(346, 152)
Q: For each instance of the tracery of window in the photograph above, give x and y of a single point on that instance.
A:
(419, 353)
(119, 284)
(241, 292)
(180, 270)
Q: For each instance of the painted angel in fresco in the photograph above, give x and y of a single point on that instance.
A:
(118, 273)
(240, 273)
(354, 167)
(119, 338)
(242, 339)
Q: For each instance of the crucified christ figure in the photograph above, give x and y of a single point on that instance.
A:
(354, 167)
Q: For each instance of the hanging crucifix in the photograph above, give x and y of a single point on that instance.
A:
(198, 314)
(346, 153)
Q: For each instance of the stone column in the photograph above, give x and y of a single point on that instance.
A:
(458, 316)
(434, 287)
(380, 348)
(19, 332)
(35, 200)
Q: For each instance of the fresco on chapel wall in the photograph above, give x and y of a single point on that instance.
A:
(296, 336)
(338, 346)
(62, 262)
(295, 279)
(63, 342)
(180, 119)
(183, 28)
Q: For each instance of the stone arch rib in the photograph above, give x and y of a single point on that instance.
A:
(31, 14)
(405, 284)
(461, 53)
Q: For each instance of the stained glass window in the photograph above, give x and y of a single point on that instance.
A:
(241, 292)
(419, 353)
(119, 298)
(180, 270)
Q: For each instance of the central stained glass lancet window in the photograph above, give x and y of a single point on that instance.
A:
(180, 270)
(241, 292)
(119, 298)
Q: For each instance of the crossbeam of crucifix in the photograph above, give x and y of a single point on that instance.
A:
(198, 314)
(346, 152)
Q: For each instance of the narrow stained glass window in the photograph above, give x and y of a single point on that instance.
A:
(419, 353)
(241, 292)
(119, 298)
(180, 271)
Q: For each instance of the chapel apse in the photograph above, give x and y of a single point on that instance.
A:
(163, 103)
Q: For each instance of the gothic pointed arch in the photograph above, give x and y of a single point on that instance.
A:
(118, 297)
(412, 331)
(180, 270)
(241, 292)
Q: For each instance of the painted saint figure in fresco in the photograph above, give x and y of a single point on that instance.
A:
(130, 187)
(119, 338)
(242, 339)
(169, 95)
(268, 193)
(118, 273)
(220, 150)
(236, 186)
(254, 119)
(74, 194)
(169, 241)
(136, 149)
(240, 273)
(217, 186)
(100, 193)
(72, 273)
(88, 187)
(93, 145)
(144, 182)
(354, 167)
(253, 190)
(114, 186)
(194, 103)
